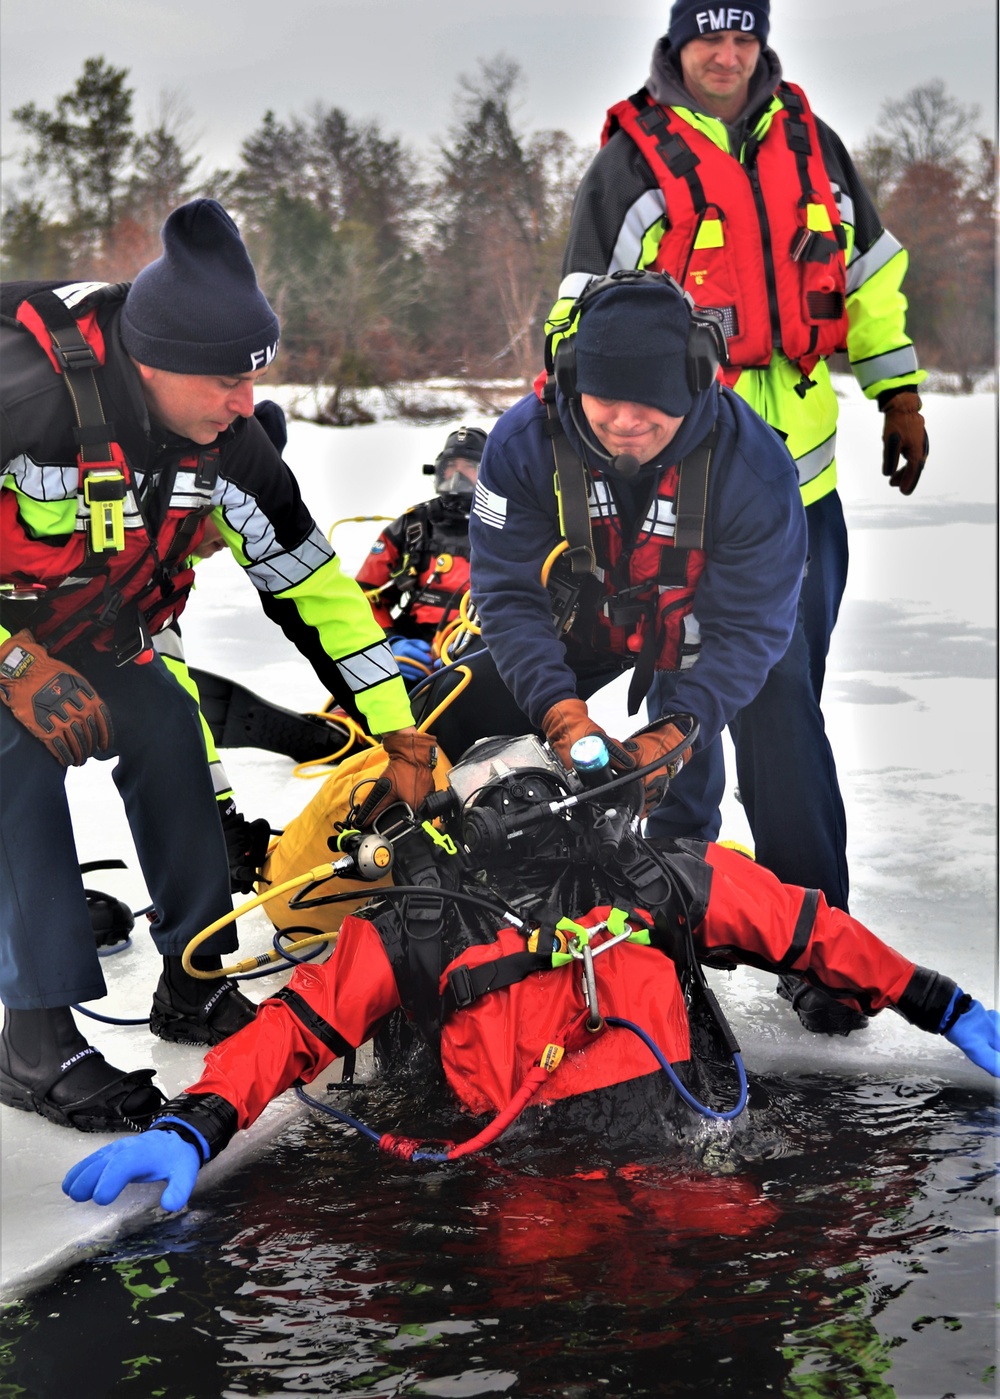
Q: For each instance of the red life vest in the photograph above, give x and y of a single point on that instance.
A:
(133, 582)
(637, 601)
(648, 589)
(487, 1049)
(760, 240)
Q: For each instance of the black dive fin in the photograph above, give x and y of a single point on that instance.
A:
(240, 719)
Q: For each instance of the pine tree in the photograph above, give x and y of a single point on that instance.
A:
(501, 215)
(86, 142)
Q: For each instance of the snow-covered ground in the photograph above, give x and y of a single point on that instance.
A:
(911, 707)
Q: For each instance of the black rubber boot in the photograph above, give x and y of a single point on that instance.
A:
(111, 920)
(819, 1012)
(46, 1066)
(187, 1010)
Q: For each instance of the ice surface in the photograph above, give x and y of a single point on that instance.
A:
(911, 710)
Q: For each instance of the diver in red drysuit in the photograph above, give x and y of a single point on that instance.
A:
(500, 1005)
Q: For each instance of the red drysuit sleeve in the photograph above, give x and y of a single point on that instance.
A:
(752, 917)
(349, 994)
(376, 572)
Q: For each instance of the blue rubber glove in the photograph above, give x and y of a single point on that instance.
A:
(103, 1176)
(410, 648)
(976, 1033)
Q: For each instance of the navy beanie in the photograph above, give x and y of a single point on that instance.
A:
(631, 346)
(198, 308)
(698, 19)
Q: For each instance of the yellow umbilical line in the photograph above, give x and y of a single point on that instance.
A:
(560, 548)
(250, 964)
(355, 734)
(462, 625)
(356, 520)
(466, 680)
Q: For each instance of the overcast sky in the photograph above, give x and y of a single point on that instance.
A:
(398, 60)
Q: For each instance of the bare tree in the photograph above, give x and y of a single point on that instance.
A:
(928, 126)
(164, 162)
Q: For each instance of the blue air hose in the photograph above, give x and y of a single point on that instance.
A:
(668, 1069)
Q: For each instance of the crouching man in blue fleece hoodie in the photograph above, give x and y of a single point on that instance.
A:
(686, 548)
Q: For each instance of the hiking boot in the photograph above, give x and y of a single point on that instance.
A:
(187, 1010)
(46, 1066)
(819, 1012)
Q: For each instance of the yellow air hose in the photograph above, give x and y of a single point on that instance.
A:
(250, 964)
(560, 548)
(356, 520)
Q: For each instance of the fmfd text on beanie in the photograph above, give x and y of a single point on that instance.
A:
(631, 347)
(198, 308)
(695, 19)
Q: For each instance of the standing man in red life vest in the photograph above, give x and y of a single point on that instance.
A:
(106, 493)
(417, 570)
(718, 172)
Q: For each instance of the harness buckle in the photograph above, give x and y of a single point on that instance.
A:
(73, 357)
(460, 986)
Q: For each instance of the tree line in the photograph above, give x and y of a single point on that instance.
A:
(385, 265)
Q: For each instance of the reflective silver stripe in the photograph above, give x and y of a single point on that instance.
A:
(131, 518)
(51, 483)
(892, 365)
(367, 668)
(812, 463)
(661, 519)
(185, 495)
(41, 482)
(600, 502)
(637, 222)
(845, 204)
(571, 286)
(76, 292)
(271, 568)
(691, 645)
(220, 782)
(168, 643)
(863, 266)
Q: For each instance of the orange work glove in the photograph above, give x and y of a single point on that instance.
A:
(651, 743)
(408, 778)
(53, 701)
(904, 434)
(564, 723)
(569, 720)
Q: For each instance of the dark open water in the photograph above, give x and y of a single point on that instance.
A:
(839, 1242)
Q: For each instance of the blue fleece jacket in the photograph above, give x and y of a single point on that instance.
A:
(746, 598)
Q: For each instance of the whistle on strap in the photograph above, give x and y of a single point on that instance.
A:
(104, 491)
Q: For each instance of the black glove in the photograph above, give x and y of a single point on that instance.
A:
(246, 846)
